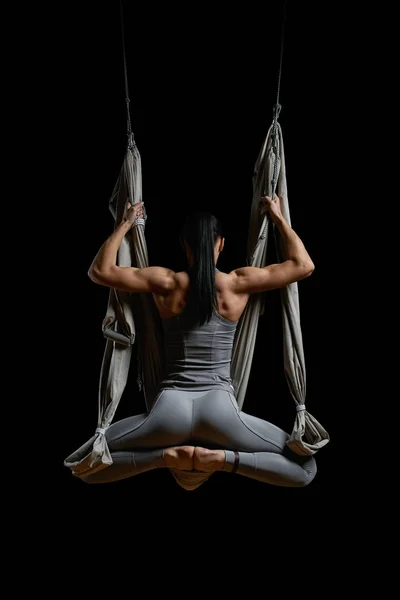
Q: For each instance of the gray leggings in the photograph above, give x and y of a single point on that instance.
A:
(211, 419)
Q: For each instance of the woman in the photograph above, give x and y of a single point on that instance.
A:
(195, 423)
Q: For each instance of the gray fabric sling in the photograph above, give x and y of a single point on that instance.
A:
(133, 318)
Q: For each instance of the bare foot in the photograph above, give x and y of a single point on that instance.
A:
(179, 457)
(208, 460)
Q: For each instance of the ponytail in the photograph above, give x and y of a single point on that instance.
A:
(200, 232)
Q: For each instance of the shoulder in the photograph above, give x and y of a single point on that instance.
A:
(240, 281)
(223, 279)
(173, 281)
(226, 281)
(228, 284)
(181, 279)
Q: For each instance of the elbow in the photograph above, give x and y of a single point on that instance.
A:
(304, 269)
(308, 268)
(101, 276)
(95, 275)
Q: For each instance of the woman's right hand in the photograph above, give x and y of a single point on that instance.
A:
(272, 206)
(133, 211)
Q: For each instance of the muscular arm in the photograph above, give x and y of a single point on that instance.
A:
(298, 264)
(105, 271)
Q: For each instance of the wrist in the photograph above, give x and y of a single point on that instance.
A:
(278, 219)
(126, 225)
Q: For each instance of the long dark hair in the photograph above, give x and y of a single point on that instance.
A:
(200, 232)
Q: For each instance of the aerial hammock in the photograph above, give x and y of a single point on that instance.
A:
(133, 318)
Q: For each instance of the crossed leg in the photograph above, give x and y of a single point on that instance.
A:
(246, 444)
(153, 440)
(235, 441)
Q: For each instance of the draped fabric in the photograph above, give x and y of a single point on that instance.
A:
(307, 436)
(133, 318)
(121, 329)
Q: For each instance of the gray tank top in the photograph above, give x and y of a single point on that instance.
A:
(198, 357)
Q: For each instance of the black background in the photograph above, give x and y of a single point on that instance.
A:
(202, 83)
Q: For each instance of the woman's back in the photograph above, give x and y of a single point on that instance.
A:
(198, 357)
(230, 305)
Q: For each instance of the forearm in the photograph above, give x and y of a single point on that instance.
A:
(106, 258)
(294, 247)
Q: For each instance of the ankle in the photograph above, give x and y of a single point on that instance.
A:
(208, 460)
(179, 457)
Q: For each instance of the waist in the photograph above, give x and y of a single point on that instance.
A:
(196, 381)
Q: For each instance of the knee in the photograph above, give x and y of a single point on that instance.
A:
(309, 470)
(304, 475)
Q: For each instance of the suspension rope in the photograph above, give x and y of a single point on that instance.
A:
(281, 53)
(274, 145)
(276, 111)
(127, 99)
